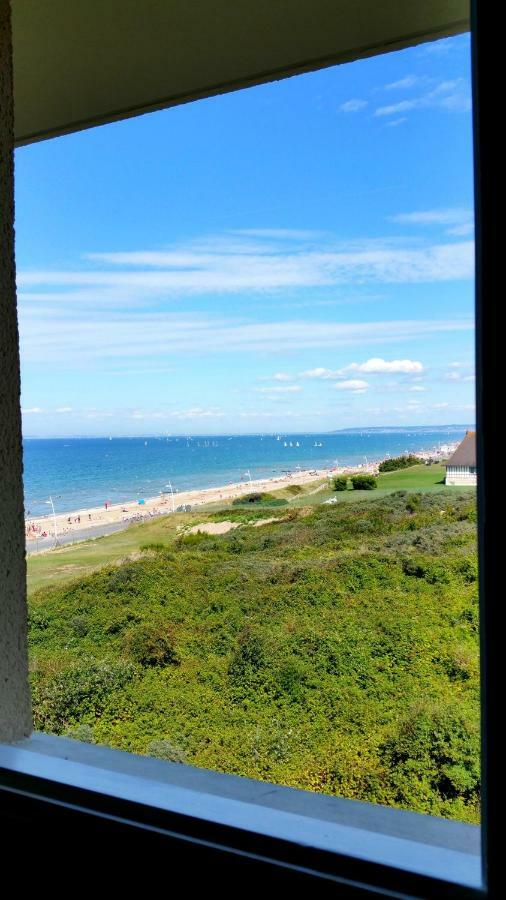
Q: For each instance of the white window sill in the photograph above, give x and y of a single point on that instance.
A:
(417, 844)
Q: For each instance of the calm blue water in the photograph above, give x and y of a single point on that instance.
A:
(85, 472)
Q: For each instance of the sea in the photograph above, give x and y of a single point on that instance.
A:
(79, 473)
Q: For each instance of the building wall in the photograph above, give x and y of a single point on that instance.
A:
(461, 476)
(15, 712)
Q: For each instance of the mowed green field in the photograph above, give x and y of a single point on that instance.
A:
(70, 562)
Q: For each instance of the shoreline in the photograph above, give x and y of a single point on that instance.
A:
(78, 523)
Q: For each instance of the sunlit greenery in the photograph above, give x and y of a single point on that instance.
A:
(333, 649)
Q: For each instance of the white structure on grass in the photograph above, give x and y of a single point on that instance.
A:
(461, 467)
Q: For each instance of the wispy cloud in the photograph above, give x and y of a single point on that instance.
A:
(140, 277)
(321, 373)
(164, 335)
(407, 82)
(194, 412)
(353, 105)
(395, 122)
(451, 95)
(356, 385)
(285, 389)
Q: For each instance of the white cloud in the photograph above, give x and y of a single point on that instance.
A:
(378, 366)
(395, 108)
(353, 105)
(354, 384)
(455, 375)
(282, 376)
(408, 82)
(195, 412)
(452, 216)
(32, 410)
(451, 95)
(395, 122)
(321, 373)
(130, 279)
(165, 335)
(417, 388)
(286, 389)
(64, 409)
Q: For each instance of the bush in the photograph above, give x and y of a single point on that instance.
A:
(363, 482)
(83, 733)
(61, 700)
(256, 499)
(251, 498)
(165, 749)
(340, 483)
(151, 644)
(399, 462)
(413, 503)
(435, 749)
(249, 656)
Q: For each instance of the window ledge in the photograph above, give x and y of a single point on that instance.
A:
(416, 844)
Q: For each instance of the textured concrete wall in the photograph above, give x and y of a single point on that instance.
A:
(15, 712)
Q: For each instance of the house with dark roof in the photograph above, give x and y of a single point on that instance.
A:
(461, 466)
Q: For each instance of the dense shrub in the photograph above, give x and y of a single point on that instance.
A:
(413, 503)
(399, 462)
(257, 499)
(334, 650)
(151, 644)
(340, 483)
(436, 752)
(363, 482)
(249, 657)
(63, 698)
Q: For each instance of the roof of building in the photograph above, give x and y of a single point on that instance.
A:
(465, 454)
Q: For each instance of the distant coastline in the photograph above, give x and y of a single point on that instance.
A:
(92, 521)
(82, 475)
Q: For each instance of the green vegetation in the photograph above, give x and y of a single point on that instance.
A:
(264, 499)
(334, 649)
(363, 482)
(340, 483)
(399, 462)
(70, 562)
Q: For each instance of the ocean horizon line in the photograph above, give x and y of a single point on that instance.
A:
(458, 426)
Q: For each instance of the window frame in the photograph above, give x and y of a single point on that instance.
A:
(30, 795)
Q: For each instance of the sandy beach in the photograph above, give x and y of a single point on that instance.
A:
(91, 522)
(76, 524)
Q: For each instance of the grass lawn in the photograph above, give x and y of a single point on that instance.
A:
(73, 561)
(416, 478)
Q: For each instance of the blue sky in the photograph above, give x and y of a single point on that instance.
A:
(296, 256)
